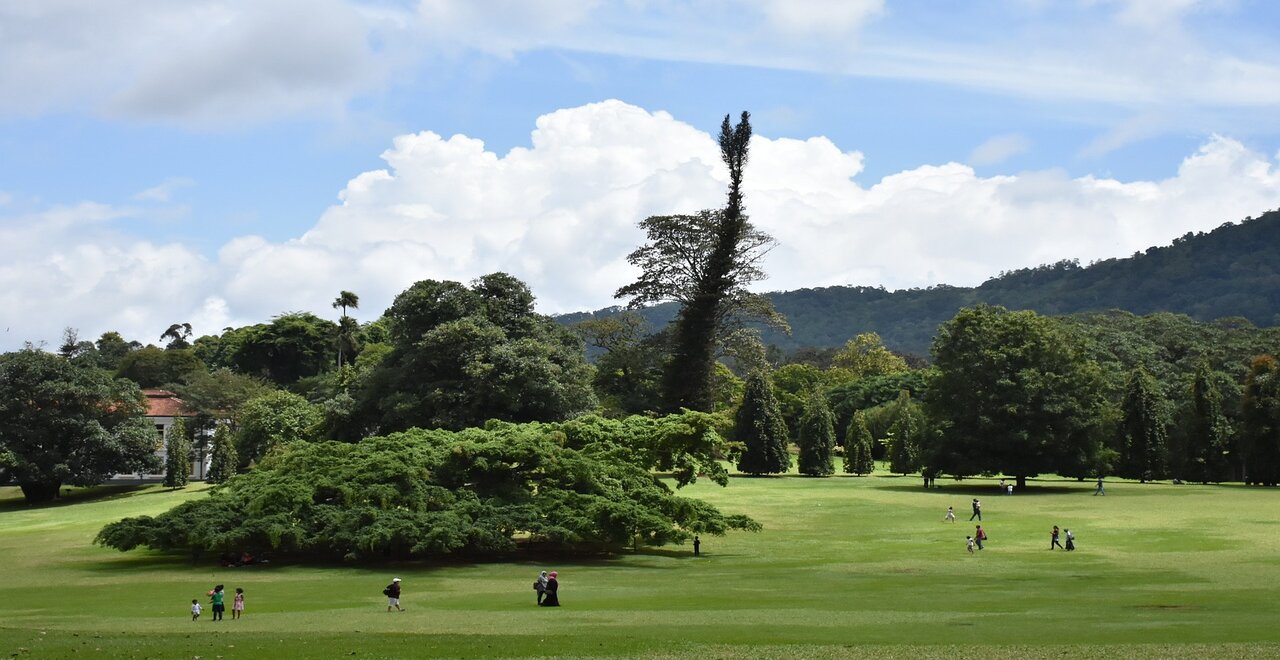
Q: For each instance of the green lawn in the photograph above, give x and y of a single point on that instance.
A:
(846, 566)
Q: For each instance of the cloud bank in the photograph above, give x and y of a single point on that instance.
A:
(561, 214)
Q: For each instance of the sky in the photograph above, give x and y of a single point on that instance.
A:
(220, 162)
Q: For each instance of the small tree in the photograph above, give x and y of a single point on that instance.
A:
(760, 428)
(177, 454)
(904, 435)
(273, 420)
(1144, 444)
(817, 437)
(222, 465)
(857, 446)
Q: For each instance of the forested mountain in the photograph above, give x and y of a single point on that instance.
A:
(1232, 271)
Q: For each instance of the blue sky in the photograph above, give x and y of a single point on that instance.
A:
(206, 161)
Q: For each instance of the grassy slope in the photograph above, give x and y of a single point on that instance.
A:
(846, 566)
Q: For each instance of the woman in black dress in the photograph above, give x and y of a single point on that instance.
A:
(552, 590)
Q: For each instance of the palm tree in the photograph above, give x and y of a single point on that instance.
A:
(346, 328)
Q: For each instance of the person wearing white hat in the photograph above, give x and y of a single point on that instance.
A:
(392, 593)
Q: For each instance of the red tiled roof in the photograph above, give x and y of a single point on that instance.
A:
(163, 403)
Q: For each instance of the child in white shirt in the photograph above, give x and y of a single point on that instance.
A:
(195, 609)
(969, 541)
(951, 515)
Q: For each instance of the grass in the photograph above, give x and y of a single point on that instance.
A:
(846, 566)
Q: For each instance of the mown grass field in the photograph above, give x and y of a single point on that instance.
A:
(846, 566)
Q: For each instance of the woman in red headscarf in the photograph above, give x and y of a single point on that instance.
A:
(553, 591)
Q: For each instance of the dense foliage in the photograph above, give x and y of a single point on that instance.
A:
(1142, 441)
(1012, 397)
(1261, 422)
(177, 454)
(857, 447)
(435, 493)
(463, 355)
(761, 430)
(817, 437)
(67, 424)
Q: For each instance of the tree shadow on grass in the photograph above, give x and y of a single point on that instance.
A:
(983, 491)
(78, 496)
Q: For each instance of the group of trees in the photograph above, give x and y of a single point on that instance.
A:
(461, 420)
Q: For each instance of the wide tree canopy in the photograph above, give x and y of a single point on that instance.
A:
(67, 424)
(1011, 397)
(436, 493)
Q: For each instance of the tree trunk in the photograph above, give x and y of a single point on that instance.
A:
(1022, 481)
(39, 493)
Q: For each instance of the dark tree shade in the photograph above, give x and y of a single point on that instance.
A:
(65, 424)
(1143, 441)
(1012, 397)
(817, 437)
(1207, 439)
(1261, 418)
(761, 429)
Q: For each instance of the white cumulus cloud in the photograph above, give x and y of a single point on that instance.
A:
(561, 214)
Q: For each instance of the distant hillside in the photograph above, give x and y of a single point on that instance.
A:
(1232, 271)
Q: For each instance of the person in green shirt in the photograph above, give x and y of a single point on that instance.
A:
(216, 597)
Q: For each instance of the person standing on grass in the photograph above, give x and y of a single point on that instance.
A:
(553, 591)
(237, 605)
(951, 515)
(1100, 490)
(540, 586)
(697, 546)
(968, 540)
(195, 609)
(1053, 538)
(979, 536)
(216, 597)
(1071, 541)
(393, 595)
(977, 513)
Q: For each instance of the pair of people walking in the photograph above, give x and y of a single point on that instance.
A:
(1053, 539)
(548, 587)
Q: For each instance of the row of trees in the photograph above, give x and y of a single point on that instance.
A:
(1016, 393)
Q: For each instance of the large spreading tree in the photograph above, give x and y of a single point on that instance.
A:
(1011, 396)
(704, 262)
(65, 424)
(432, 493)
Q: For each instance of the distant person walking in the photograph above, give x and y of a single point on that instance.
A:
(980, 536)
(1100, 490)
(237, 605)
(540, 586)
(392, 592)
(216, 597)
(1053, 540)
(951, 515)
(1071, 541)
(977, 513)
(553, 590)
(195, 609)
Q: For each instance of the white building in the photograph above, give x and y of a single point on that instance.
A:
(163, 409)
